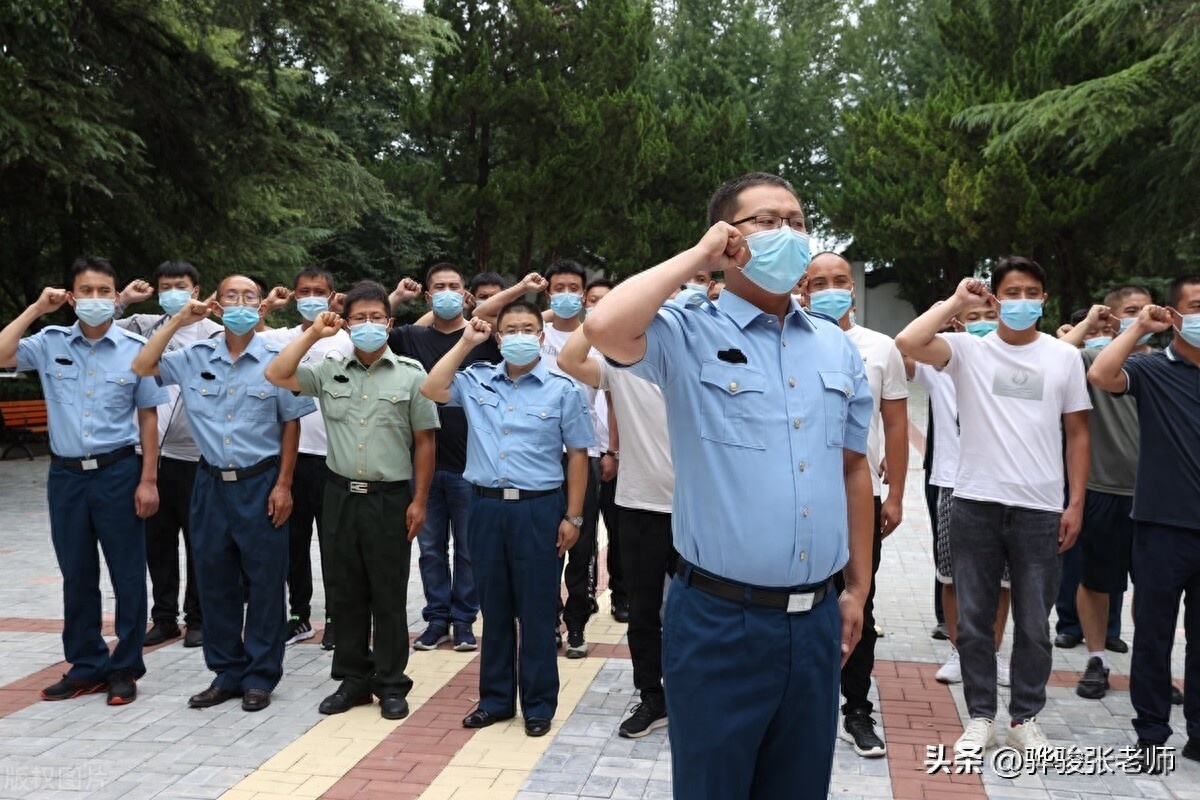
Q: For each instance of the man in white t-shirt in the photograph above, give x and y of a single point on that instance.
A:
(1018, 392)
(645, 484)
(176, 282)
(312, 293)
(828, 288)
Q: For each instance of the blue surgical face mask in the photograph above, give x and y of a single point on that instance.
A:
(520, 349)
(1021, 314)
(239, 319)
(778, 259)
(1190, 329)
(311, 307)
(982, 327)
(696, 287)
(831, 302)
(369, 336)
(1099, 341)
(1127, 323)
(447, 304)
(172, 301)
(566, 305)
(95, 310)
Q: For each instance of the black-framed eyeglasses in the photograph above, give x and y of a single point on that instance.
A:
(770, 222)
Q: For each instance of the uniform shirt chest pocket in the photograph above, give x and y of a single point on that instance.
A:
(118, 388)
(203, 398)
(63, 382)
(838, 390)
(261, 402)
(391, 409)
(545, 424)
(731, 405)
(335, 402)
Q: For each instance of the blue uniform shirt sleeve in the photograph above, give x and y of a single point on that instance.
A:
(862, 405)
(150, 394)
(292, 406)
(460, 387)
(665, 339)
(31, 353)
(173, 366)
(576, 421)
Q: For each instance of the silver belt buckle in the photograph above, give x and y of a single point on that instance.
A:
(228, 475)
(358, 487)
(89, 463)
(801, 602)
(511, 494)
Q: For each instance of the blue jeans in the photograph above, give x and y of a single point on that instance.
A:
(447, 599)
(982, 537)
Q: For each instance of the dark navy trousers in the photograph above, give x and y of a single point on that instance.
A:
(232, 534)
(90, 508)
(513, 545)
(1166, 565)
(752, 696)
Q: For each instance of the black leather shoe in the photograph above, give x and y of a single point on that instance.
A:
(194, 637)
(537, 727)
(160, 632)
(1116, 644)
(393, 706)
(212, 696)
(481, 719)
(340, 702)
(1066, 641)
(1176, 695)
(256, 700)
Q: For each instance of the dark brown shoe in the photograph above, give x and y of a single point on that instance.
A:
(212, 696)
(256, 700)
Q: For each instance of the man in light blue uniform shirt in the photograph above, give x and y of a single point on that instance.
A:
(99, 492)
(768, 409)
(519, 416)
(248, 432)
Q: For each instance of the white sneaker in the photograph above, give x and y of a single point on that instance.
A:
(951, 671)
(979, 736)
(1003, 672)
(1028, 736)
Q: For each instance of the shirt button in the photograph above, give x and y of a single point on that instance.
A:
(803, 466)
(543, 415)
(121, 381)
(204, 391)
(796, 423)
(783, 342)
(733, 386)
(90, 372)
(791, 381)
(58, 374)
(362, 422)
(93, 352)
(510, 408)
(503, 480)
(88, 392)
(231, 391)
(360, 472)
(364, 397)
(847, 393)
(226, 440)
(806, 511)
(803, 555)
(506, 431)
(87, 433)
(229, 416)
(502, 455)
(361, 445)
(87, 413)
(393, 398)
(260, 394)
(231, 465)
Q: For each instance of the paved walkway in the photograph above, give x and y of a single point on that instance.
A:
(157, 747)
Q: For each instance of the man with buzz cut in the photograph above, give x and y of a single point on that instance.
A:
(1019, 391)
(248, 432)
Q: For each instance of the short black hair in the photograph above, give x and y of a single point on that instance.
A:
(175, 269)
(519, 307)
(487, 279)
(441, 266)
(1175, 290)
(365, 292)
(315, 272)
(1078, 315)
(1017, 264)
(566, 266)
(724, 201)
(599, 282)
(88, 263)
(259, 281)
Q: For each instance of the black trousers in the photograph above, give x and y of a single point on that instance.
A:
(612, 523)
(308, 493)
(648, 557)
(856, 675)
(931, 501)
(580, 572)
(175, 481)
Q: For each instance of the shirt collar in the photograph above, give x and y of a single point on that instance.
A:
(388, 357)
(111, 334)
(256, 349)
(539, 372)
(743, 312)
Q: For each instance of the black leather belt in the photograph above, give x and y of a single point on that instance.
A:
(511, 494)
(365, 487)
(793, 601)
(230, 475)
(95, 462)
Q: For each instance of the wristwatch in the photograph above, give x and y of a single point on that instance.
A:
(576, 521)
(616, 454)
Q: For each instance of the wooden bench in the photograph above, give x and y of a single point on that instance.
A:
(21, 422)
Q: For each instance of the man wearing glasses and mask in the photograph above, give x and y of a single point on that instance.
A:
(248, 432)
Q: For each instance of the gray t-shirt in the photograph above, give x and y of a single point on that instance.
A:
(1114, 438)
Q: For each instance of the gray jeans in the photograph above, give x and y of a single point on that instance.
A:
(983, 536)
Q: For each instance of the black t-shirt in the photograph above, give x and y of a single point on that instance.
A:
(428, 345)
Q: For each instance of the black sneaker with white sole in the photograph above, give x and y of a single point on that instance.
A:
(298, 630)
(648, 715)
(859, 730)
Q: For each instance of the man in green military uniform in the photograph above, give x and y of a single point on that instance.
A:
(374, 413)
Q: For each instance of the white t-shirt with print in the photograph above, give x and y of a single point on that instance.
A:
(885, 374)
